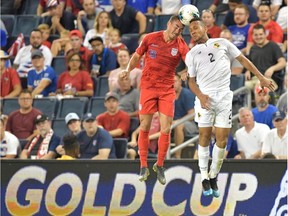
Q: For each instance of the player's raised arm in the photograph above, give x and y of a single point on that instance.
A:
(264, 81)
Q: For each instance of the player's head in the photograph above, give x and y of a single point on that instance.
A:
(198, 30)
(71, 145)
(174, 27)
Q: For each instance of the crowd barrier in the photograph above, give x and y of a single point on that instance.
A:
(111, 187)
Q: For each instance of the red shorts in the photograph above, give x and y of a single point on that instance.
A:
(153, 100)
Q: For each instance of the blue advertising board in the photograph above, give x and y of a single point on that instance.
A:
(111, 187)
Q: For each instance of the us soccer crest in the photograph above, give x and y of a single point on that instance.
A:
(174, 51)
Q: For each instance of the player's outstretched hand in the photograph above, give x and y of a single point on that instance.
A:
(124, 74)
(269, 83)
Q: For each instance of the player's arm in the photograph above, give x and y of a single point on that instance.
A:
(251, 67)
(131, 65)
(204, 99)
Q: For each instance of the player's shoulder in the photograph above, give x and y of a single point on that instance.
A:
(214, 41)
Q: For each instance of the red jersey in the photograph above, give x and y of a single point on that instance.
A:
(273, 32)
(81, 81)
(8, 80)
(111, 122)
(161, 59)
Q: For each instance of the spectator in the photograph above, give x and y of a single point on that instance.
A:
(212, 29)
(76, 45)
(282, 103)
(250, 137)
(263, 111)
(219, 6)
(10, 82)
(276, 140)
(43, 145)
(267, 57)
(22, 62)
(126, 18)
(123, 58)
(229, 18)
(169, 7)
(45, 30)
(73, 123)
(236, 66)
(21, 122)
(115, 121)
(154, 134)
(71, 147)
(128, 96)
(115, 43)
(74, 6)
(75, 81)
(10, 146)
(86, 17)
(240, 30)
(282, 17)
(274, 6)
(184, 106)
(95, 142)
(105, 5)
(42, 79)
(144, 6)
(62, 45)
(59, 19)
(274, 31)
(103, 59)
(43, 5)
(102, 26)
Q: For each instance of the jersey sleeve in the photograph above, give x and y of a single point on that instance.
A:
(233, 51)
(189, 63)
(142, 48)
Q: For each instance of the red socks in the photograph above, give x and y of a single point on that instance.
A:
(143, 142)
(163, 145)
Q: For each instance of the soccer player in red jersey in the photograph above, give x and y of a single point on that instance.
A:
(163, 51)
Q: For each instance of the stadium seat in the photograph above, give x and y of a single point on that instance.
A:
(237, 81)
(201, 5)
(10, 105)
(30, 7)
(95, 81)
(134, 124)
(46, 105)
(8, 21)
(59, 64)
(102, 86)
(23, 142)
(131, 41)
(76, 104)
(59, 127)
(25, 24)
(150, 22)
(120, 147)
(161, 22)
(96, 106)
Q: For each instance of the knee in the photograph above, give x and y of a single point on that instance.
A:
(166, 130)
(144, 125)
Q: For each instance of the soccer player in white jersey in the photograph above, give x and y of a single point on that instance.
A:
(209, 79)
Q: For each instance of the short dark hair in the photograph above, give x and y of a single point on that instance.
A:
(257, 27)
(25, 91)
(70, 142)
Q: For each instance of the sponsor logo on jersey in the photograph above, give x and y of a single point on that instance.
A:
(174, 51)
(216, 45)
(152, 54)
(199, 115)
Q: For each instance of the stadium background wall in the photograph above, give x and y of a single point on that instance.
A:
(111, 187)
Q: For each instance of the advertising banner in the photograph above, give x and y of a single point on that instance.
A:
(111, 187)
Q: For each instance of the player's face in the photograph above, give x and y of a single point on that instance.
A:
(264, 13)
(197, 31)
(259, 36)
(240, 16)
(174, 29)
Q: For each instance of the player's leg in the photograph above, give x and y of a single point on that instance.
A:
(223, 123)
(148, 106)
(166, 113)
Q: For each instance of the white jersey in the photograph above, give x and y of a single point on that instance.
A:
(211, 65)
(274, 144)
(9, 145)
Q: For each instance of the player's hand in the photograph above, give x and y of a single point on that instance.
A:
(269, 83)
(124, 74)
(205, 102)
(184, 76)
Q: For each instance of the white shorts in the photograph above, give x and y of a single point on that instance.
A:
(220, 114)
